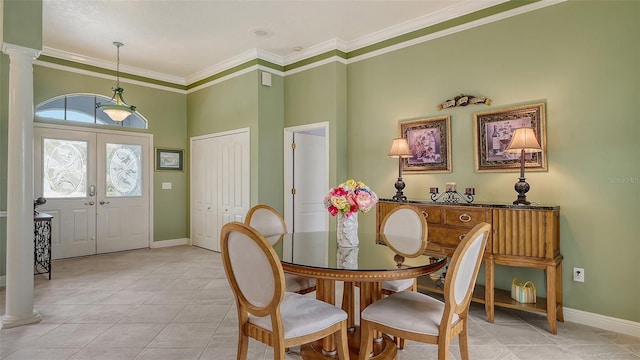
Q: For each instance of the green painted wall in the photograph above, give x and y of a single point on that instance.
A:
(581, 59)
(320, 95)
(229, 105)
(22, 23)
(270, 143)
(242, 102)
(166, 114)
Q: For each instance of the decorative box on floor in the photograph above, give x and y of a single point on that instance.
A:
(523, 292)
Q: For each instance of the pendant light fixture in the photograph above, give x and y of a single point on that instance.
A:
(120, 110)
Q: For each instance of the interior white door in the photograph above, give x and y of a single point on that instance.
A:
(123, 192)
(65, 170)
(204, 192)
(309, 181)
(97, 187)
(220, 184)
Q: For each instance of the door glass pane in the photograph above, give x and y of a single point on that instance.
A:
(124, 170)
(65, 168)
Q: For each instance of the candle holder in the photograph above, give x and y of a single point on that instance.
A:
(451, 195)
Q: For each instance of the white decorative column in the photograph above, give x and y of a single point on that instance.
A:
(19, 287)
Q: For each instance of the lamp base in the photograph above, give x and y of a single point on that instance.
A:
(399, 196)
(521, 187)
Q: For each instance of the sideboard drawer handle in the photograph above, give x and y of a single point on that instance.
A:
(425, 214)
(465, 218)
(461, 237)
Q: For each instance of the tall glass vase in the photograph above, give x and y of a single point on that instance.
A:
(347, 232)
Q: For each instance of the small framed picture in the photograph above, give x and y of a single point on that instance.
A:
(169, 159)
(493, 130)
(430, 144)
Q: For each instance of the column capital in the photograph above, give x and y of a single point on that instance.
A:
(11, 49)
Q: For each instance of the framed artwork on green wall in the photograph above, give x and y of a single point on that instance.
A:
(169, 159)
(493, 130)
(430, 144)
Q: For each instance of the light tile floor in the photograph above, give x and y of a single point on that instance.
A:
(175, 303)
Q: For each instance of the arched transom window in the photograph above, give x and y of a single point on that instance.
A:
(81, 108)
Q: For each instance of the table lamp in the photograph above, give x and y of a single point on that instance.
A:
(399, 149)
(523, 141)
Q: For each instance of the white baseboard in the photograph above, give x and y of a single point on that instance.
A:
(602, 322)
(169, 243)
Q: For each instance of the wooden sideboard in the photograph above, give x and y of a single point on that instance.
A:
(522, 236)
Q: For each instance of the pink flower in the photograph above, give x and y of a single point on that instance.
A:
(333, 210)
(350, 197)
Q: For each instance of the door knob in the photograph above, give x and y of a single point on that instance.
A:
(89, 203)
(103, 202)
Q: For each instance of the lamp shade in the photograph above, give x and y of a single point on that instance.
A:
(524, 139)
(399, 149)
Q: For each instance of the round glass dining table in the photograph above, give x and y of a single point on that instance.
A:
(317, 255)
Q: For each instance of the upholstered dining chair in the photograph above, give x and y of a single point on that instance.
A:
(415, 316)
(265, 311)
(271, 225)
(405, 232)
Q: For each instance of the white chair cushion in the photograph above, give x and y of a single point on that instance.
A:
(295, 283)
(397, 285)
(302, 315)
(409, 311)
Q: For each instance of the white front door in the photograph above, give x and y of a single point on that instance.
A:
(97, 189)
(220, 179)
(123, 197)
(65, 174)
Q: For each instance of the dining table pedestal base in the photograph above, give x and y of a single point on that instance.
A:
(384, 349)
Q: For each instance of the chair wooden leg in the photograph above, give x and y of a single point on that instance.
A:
(341, 342)
(366, 340)
(243, 345)
(463, 339)
(443, 346)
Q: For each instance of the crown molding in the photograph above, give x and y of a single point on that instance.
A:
(69, 56)
(329, 45)
(105, 76)
(449, 13)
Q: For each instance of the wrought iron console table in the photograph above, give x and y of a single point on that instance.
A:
(42, 244)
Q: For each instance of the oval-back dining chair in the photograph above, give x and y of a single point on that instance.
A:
(271, 225)
(265, 311)
(415, 316)
(405, 231)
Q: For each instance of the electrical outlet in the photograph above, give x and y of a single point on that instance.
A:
(578, 274)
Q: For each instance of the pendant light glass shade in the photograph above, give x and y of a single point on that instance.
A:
(120, 110)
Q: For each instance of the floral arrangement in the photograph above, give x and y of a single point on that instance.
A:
(349, 198)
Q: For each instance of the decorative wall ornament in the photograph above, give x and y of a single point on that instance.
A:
(464, 100)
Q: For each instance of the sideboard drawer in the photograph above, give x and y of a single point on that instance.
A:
(466, 218)
(446, 236)
(432, 214)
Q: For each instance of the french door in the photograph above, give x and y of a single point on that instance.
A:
(97, 188)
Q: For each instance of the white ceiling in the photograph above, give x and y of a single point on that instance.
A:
(182, 40)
